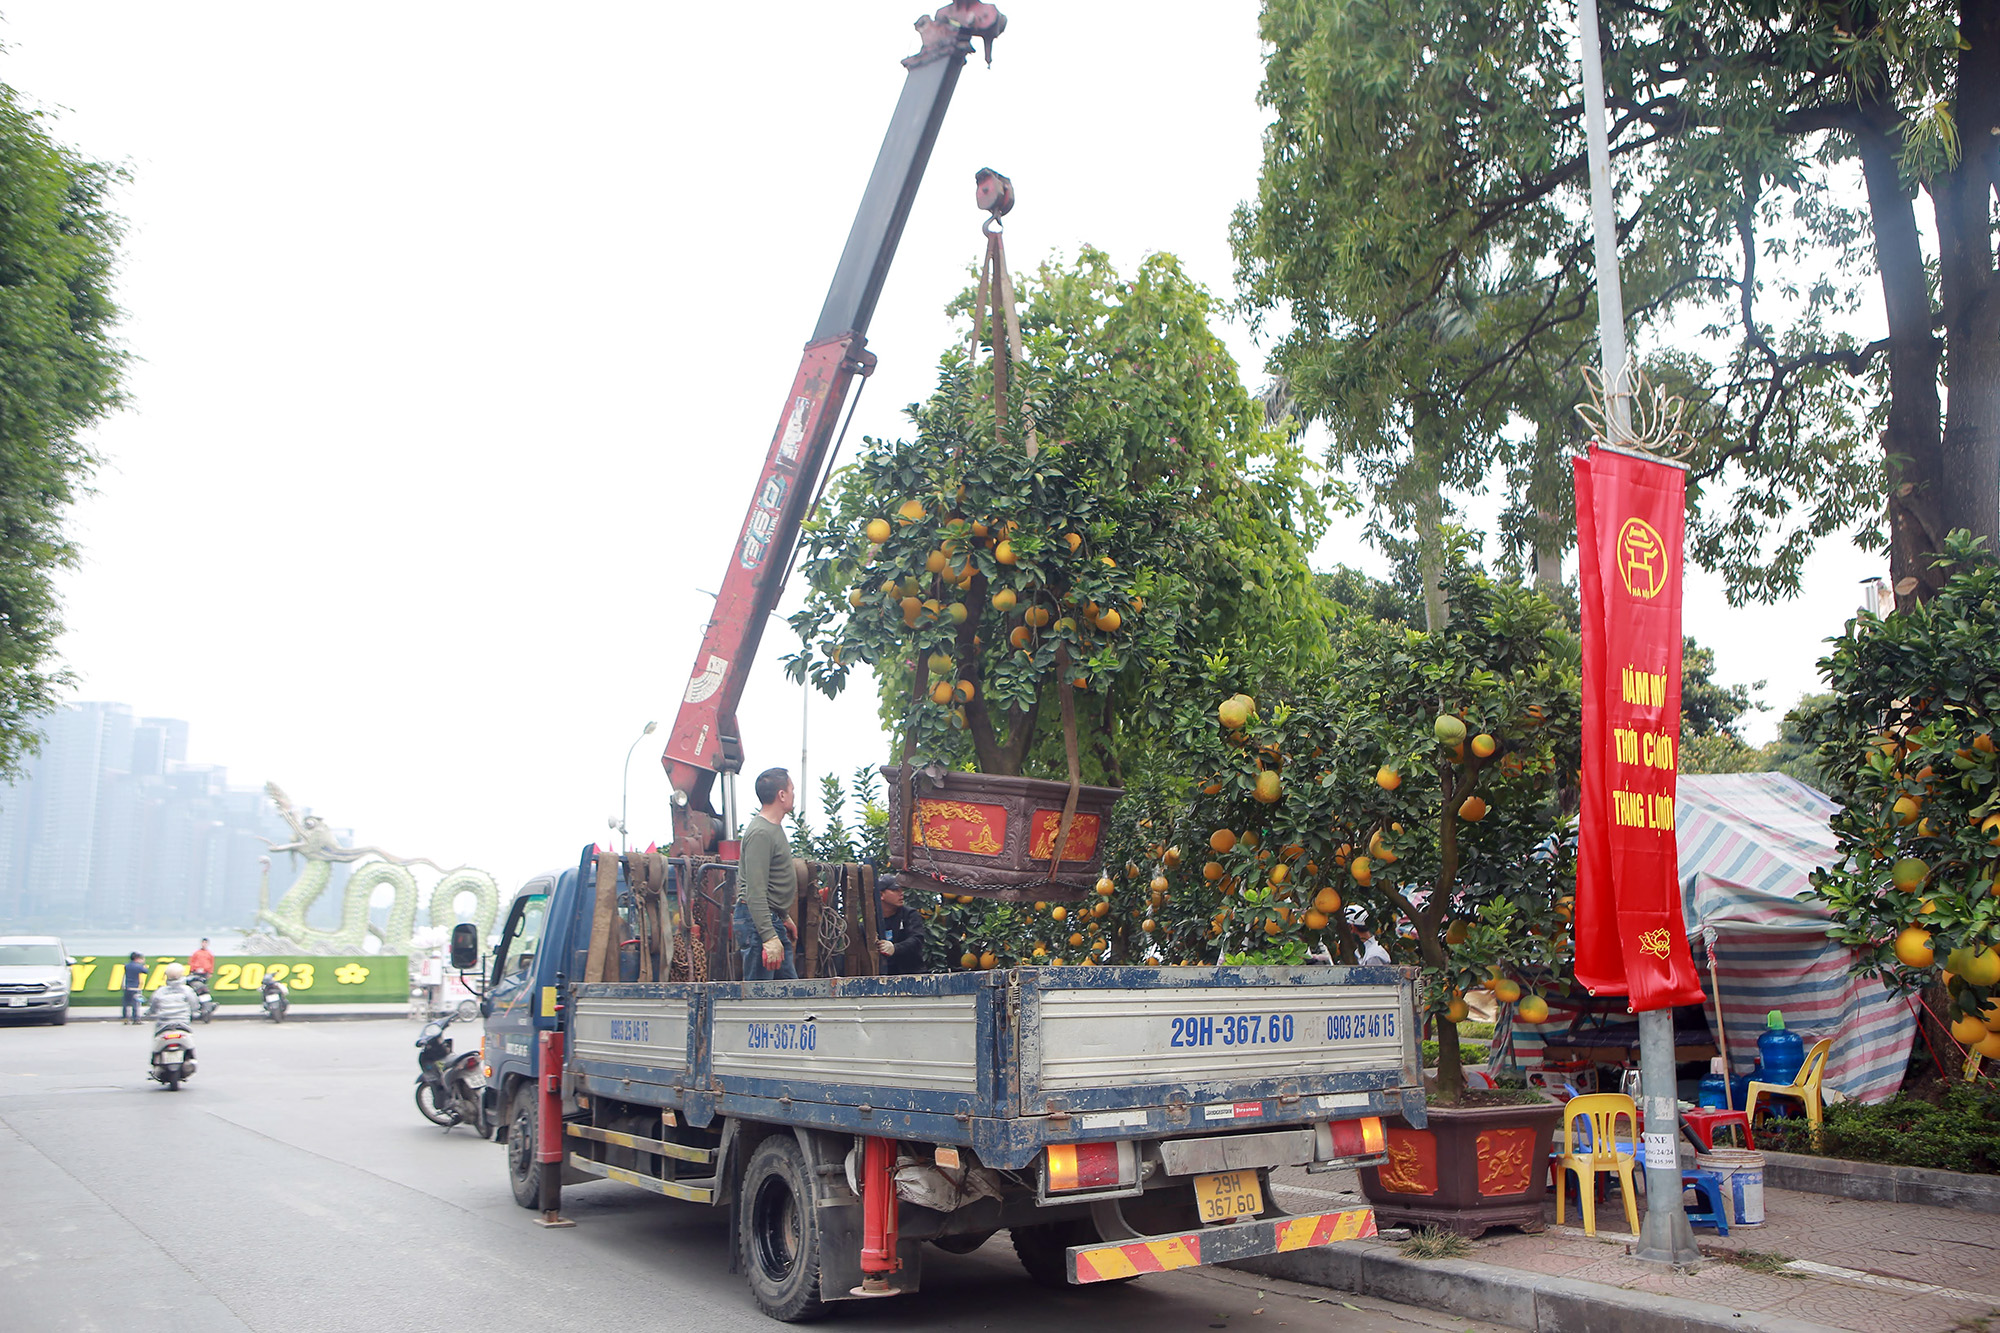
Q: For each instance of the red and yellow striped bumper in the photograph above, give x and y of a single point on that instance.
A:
(1214, 1245)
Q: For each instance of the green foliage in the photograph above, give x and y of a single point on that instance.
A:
(836, 842)
(59, 373)
(1477, 894)
(1709, 708)
(1915, 718)
(1468, 1052)
(1400, 601)
(1958, 1132)
(1422, 226)
(1793, 753)
(1159, 520)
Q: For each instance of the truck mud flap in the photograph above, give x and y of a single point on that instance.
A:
(1214, 1245)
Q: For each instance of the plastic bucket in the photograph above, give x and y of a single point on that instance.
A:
(1741, 1172)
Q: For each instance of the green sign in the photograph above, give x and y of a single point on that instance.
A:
(360, 979)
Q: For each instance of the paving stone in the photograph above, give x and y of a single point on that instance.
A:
(1942, 1247)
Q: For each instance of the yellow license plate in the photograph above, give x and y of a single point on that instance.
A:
(1228, 1194)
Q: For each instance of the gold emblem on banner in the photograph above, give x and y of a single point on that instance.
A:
(1642, 558)
(1655, 942)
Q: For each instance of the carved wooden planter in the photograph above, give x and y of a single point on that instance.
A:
(994, 836)
(1472, 1168)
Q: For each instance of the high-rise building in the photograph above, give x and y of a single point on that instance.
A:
(110, 827)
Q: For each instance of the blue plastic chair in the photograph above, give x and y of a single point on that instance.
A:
(1707, 1187)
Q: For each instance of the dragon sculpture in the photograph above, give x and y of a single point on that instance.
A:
(316, 841)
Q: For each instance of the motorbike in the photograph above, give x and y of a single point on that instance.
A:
(198, 983)
(276, 999)
(448, 1085)
(173, 1055)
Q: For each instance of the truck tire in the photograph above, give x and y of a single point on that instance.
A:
(523, 1171)
(1041, 1250)
(778, 1231)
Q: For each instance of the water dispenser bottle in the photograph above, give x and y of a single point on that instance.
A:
(1780, 1052)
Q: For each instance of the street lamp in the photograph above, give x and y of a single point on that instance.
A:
(625, 790)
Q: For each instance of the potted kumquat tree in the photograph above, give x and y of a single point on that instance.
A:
(1430, 785)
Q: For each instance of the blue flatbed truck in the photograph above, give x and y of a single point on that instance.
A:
(1114, 1120)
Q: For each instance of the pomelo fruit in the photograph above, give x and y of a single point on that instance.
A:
(1913, 947)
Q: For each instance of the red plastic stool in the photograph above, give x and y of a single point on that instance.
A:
(1701, 1125)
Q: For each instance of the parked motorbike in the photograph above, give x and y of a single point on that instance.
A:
(448, 1085)
(198, 983)
(173, 1055)
(276, 999)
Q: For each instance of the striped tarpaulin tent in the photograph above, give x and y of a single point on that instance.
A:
(1748, 843)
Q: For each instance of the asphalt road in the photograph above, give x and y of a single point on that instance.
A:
(291, 1186)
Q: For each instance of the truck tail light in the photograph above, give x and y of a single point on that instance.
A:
(1351, 1138)
(1090, 1166)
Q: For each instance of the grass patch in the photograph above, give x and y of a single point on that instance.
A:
(1756, 1261)
(1469, 1052)
(1435, 1243)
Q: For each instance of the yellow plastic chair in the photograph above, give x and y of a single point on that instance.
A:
(1602, 1110)
(1804, 1088)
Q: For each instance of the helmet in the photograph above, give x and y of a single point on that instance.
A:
(175, 971)
(1356, 915)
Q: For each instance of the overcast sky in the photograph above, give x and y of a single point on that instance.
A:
(460, 332)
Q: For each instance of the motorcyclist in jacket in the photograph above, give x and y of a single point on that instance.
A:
(173, 1004)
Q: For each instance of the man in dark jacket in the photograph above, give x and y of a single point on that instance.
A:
(902, 942)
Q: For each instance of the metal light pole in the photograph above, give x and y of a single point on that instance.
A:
(1665, 1236)
(1604, 233)
(625, 791)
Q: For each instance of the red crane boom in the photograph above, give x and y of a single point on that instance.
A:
(706, 742)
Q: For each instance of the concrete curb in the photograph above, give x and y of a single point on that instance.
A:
(1876, 1183)
(1535, 1302)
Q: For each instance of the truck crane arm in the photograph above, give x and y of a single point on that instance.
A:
(705, 742)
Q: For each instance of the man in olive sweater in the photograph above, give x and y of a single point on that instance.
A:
(767, 886)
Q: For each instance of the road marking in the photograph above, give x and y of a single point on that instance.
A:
(1315, 1193)
(1862, 1279)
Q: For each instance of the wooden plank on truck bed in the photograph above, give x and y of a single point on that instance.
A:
(602, 953)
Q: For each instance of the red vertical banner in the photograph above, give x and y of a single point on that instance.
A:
(1630, 937)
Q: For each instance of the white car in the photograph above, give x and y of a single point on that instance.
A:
(34, 978)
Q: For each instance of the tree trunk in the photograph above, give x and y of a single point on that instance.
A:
(1428, 509)
(1963, 197)
(1910, 440)
(1431, 926)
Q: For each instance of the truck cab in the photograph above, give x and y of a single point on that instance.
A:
(523, 966)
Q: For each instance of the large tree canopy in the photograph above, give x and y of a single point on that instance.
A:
(1422, 223)
(59, 373)
(1160, 520)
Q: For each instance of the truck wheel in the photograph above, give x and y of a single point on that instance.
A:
(522, 1170)
(1041, 1250)
(778, 1231)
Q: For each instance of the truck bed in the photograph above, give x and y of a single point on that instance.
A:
(1008, 1062)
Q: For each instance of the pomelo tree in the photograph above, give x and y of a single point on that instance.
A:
(1155, 516)
(1910, 742)
(1430, 781)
